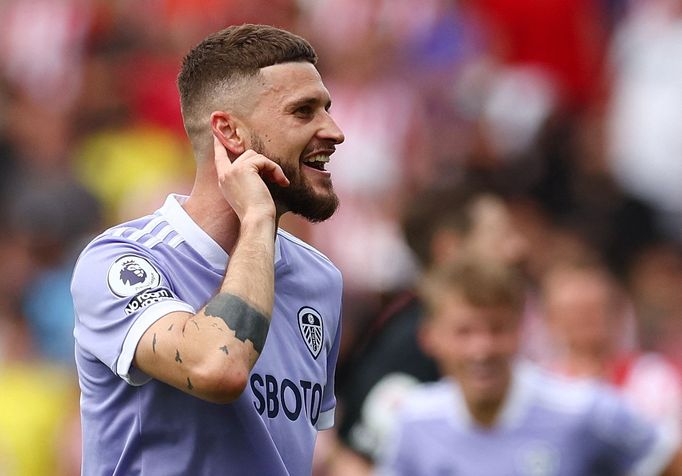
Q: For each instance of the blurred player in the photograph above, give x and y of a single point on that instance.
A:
(440, 225)
(189, 361)
(495, 415)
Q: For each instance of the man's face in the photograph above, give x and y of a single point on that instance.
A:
(474, 345)
(493, 235)
(291, 125)
(581, 310)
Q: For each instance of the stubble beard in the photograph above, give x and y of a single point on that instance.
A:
(299, 197)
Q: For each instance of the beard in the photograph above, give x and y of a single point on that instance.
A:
(299, 197)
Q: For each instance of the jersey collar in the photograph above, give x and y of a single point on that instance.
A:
(514, 407)
(196, 237)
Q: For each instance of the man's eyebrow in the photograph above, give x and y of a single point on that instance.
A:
(307, 101)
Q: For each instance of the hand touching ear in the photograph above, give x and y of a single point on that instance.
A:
(242, 181)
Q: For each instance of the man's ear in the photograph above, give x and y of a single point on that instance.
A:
(229, 132)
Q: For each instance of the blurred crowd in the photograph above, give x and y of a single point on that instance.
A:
(565, 114)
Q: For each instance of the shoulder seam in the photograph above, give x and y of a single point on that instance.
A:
(144, 237)
(297, 241)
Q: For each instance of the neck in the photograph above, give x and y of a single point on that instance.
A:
(209, 209)
(485, 413)
(484, 409)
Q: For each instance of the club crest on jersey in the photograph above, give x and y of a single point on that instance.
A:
(312, 330)
(538, 459)
(130, 274)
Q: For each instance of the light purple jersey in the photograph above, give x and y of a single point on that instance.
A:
(548, 427)
(134, 274)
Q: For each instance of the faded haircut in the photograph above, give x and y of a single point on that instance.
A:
(481, 283)
(230, 56)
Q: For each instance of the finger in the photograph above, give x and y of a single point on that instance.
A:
(270, 170)
(274, 173)
(222, 161)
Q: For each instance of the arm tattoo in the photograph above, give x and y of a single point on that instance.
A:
(177, 356)
(243, 319)
(154, 343)
(224, 349)
(195, 323)
(189, 384)
(171, 327)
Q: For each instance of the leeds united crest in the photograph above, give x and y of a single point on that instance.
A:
(312, 331)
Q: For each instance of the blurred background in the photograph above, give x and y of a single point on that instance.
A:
(569, 111)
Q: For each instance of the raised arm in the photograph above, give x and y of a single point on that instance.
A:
(211, 353)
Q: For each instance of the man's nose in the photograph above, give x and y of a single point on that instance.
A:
(331, 130)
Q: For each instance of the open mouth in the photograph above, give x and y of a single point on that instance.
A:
(317, 162)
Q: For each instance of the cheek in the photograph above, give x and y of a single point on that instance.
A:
(442, 344)
(456, 348)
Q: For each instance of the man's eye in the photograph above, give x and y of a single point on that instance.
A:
(304, 111)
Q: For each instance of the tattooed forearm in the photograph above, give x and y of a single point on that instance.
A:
(177, 356)
(224, 349)
(154, 343)
(243, 319)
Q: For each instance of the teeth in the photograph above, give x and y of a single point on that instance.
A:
(318, 158)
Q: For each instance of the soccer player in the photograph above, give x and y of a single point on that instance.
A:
(495, 415)
(206, 338)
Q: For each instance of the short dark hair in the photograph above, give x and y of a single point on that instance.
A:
(436, 208)
(236, 52)
(481, 283)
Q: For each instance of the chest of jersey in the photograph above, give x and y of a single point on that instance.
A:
(288, 381)
(545, 445)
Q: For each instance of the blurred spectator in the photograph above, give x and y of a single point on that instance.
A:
(47, 212)
(52, 216)
(130, 169)
(654, 283)
(563, 37)
(41, 48)
(592, 327)
(494, 414)
(30, 430)
(645, 143)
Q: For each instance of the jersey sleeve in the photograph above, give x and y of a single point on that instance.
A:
(630, 443)
(119, 290)
(328, 405)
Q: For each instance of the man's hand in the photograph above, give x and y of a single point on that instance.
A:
(242, 181)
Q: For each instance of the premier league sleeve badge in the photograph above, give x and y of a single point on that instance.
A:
(130, 274)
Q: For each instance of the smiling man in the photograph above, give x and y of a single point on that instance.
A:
(496, 415)
(218, 358)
